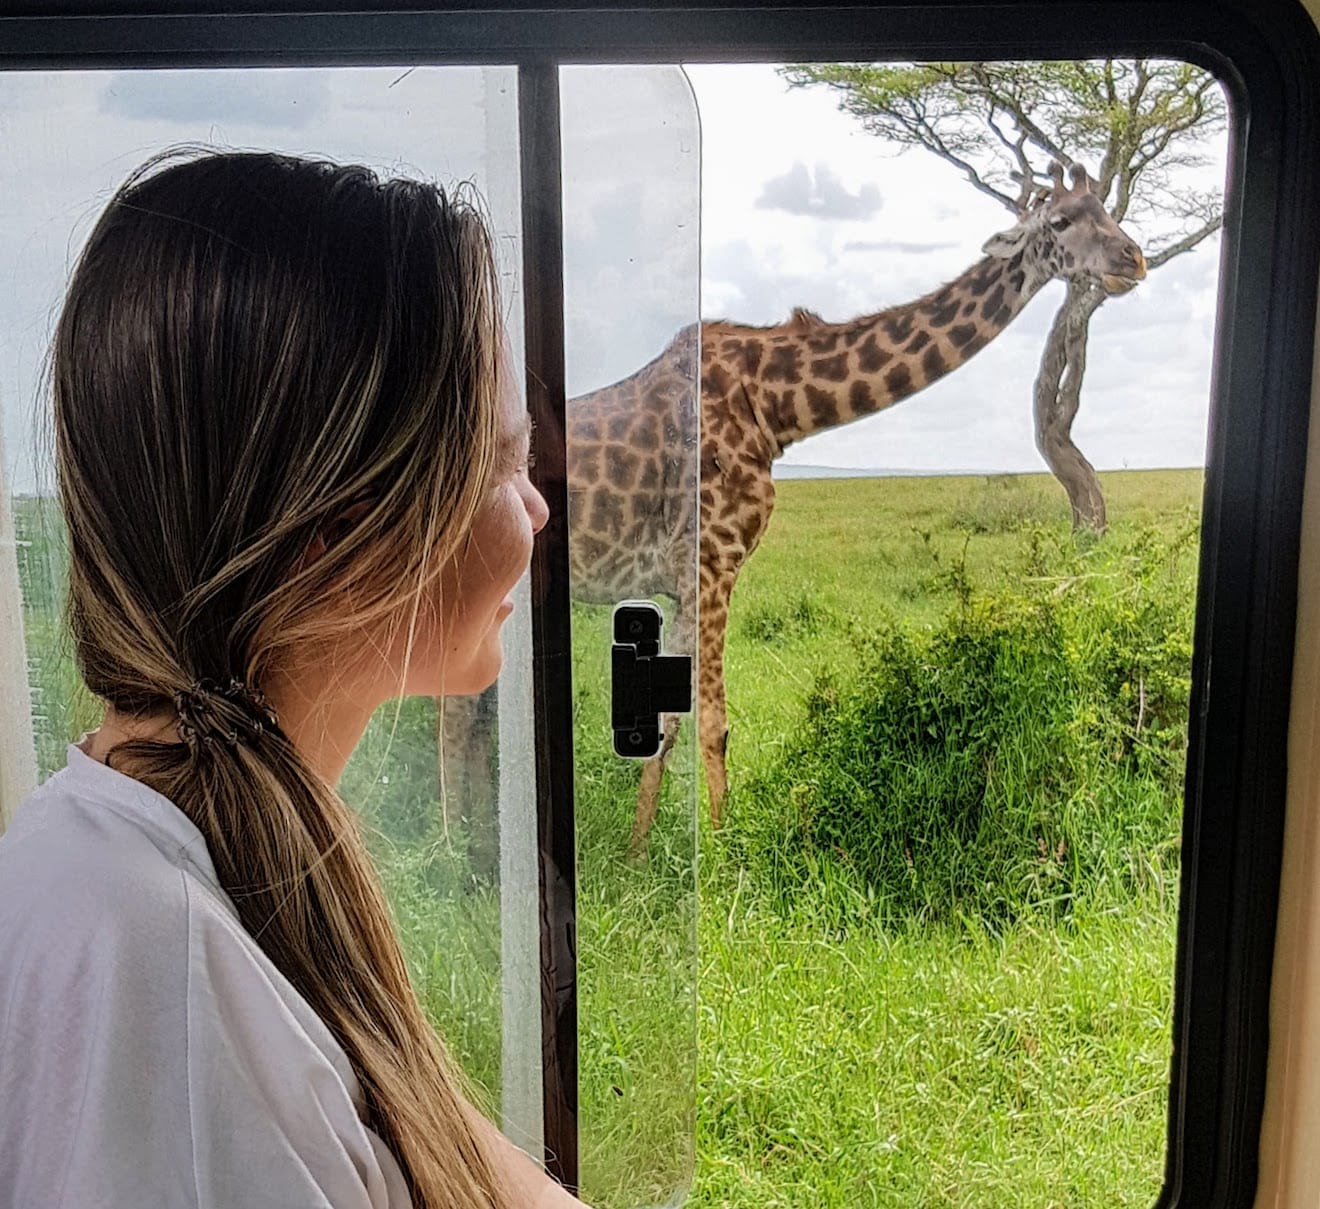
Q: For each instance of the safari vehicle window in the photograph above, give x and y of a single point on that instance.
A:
(994, 461)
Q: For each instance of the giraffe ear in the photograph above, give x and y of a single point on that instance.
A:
(1005, 243)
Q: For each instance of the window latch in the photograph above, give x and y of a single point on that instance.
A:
(644, 683)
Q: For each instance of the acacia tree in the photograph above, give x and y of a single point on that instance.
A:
(1000, 124)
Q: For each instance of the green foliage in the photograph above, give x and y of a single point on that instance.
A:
(1004, 504)
(62, 709)
(941, 1067)
(844, 1048)
(801, 615)
(1000, 123)
(1025, 752)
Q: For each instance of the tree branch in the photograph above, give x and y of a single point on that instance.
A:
(1018, 113)
(1186, 244)
(936, 145)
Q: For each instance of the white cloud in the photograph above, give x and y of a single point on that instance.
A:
(275, 99)
(71, 137)
(817, 194)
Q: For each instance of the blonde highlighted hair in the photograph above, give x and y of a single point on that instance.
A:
(251, 344)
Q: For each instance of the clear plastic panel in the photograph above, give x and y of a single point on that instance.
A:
(69, 139)
(631, 265)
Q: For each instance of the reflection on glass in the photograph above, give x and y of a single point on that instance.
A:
(631, 264)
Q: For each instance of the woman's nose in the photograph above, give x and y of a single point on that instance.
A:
(537, 509)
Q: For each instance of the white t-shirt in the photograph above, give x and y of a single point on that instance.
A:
(151, 1055)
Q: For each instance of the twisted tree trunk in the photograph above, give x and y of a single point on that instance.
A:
(1058, 393)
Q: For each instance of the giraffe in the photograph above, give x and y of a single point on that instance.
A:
(763, 388)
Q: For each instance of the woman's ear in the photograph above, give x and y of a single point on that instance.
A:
(333, 531)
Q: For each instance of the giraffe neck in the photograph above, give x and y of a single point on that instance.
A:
(820, 376)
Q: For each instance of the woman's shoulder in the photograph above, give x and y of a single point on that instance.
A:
(97, 848)
(100, 876)
(106, 884)
(124, 972)
(92, 898)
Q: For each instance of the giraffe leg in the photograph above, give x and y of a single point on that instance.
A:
(648, 793)
(712, 719)
(469, 773)
(679, 641)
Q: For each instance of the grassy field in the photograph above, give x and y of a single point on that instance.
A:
(997, 1040)
(919, 1064)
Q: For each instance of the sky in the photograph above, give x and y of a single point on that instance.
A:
(715, 192)
(801, 207)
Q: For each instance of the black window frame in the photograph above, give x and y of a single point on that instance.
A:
(1267, 54)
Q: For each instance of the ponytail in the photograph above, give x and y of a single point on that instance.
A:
(251, 344)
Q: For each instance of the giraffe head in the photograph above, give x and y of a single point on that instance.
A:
(1069, 233)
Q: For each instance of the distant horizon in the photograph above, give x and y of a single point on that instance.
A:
(811, 470)
(792, 470)
(754, 200)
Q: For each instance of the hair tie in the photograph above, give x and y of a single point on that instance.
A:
(231, 713)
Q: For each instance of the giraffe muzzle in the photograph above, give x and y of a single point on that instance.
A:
(1132, 271)
(1114, 284)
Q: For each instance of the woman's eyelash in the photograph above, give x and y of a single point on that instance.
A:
(529, 461)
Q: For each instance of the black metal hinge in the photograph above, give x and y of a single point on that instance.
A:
(644, 683)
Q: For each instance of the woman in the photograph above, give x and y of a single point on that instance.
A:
(293, 468)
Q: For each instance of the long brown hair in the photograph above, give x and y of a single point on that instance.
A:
(250, 345)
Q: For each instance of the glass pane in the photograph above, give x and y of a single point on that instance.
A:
(69, 139)
(631, 287)
(938, 926)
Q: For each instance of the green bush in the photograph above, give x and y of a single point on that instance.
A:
(1025, 751)
(1006, 503)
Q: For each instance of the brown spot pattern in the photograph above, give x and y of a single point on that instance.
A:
(823, 342)
(984, 278)
(606, 512)
(824, 409)
(898, 381)
(944, 315)
(898, 326)
(745, 354)
(645, 437)
(783, 364)
(832, 369)
(860, 397)
(623, 468)
(871, 357)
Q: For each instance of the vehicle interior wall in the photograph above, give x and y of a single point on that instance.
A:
(1290, 1158)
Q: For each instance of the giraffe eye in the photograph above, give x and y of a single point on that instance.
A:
(1060, 222)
